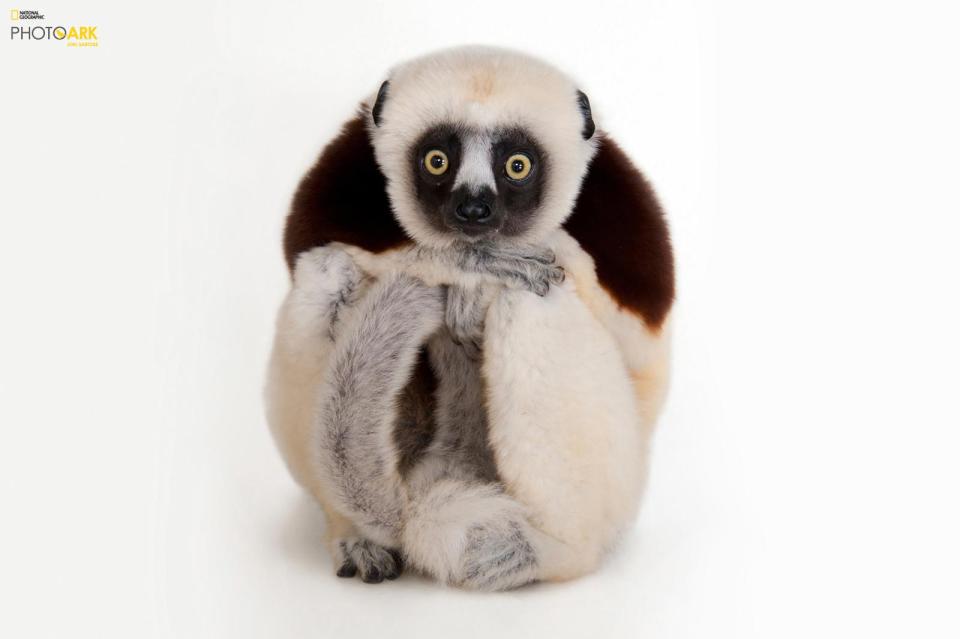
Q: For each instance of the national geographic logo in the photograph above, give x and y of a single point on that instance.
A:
(16, 14)
(75, 36)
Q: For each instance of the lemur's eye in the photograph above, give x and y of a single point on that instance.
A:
(518, 166)
(436, 162)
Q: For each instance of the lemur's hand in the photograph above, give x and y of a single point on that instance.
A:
(526, 267)
(533, 268)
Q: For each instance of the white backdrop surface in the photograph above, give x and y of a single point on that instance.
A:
(805, 480)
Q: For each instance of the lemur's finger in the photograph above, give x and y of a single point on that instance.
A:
(541, 288)
(557, 275)
(529, 253)
(544, 256)
(515, 278)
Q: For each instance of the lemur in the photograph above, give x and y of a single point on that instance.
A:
(475, 346)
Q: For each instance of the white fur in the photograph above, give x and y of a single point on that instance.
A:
(564, 424)
(475, 170)
(645, 351)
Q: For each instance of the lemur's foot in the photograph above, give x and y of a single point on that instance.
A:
(498, 557)
(327, 280)
(374, 562)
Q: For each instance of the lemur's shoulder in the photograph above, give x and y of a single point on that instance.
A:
(617, 219)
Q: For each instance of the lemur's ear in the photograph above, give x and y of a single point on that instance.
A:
(378, 105)
(343, 198)
(588, 126)
(618, 221)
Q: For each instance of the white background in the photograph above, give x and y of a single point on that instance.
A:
(806, 469)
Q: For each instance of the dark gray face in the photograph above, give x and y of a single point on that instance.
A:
(478, 183)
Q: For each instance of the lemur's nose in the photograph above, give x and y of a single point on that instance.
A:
(473, 210)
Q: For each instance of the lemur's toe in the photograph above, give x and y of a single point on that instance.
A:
(372, 575)
(397, 565)
(372, 562)
(347, 569)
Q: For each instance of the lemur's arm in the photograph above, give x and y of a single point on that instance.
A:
(522, 266)
(325, 283)
(564, 423)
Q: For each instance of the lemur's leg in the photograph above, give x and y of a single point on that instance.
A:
(326, 283)
(325, 280)
(412, 433)
(461, 527)
(564, 425)
(372, 361)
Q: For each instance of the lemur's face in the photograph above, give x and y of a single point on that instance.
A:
(478, 183)
(481, 144)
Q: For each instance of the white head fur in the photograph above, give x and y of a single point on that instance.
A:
(481, 89)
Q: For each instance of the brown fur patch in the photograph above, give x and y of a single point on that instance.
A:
(343, 198)
(618, 221)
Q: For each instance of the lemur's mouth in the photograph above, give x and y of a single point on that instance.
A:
(472, 232)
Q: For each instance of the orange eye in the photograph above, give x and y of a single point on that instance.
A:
(518, 166)
(436, 162)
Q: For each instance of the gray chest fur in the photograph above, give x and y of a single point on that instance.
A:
(442, 408)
